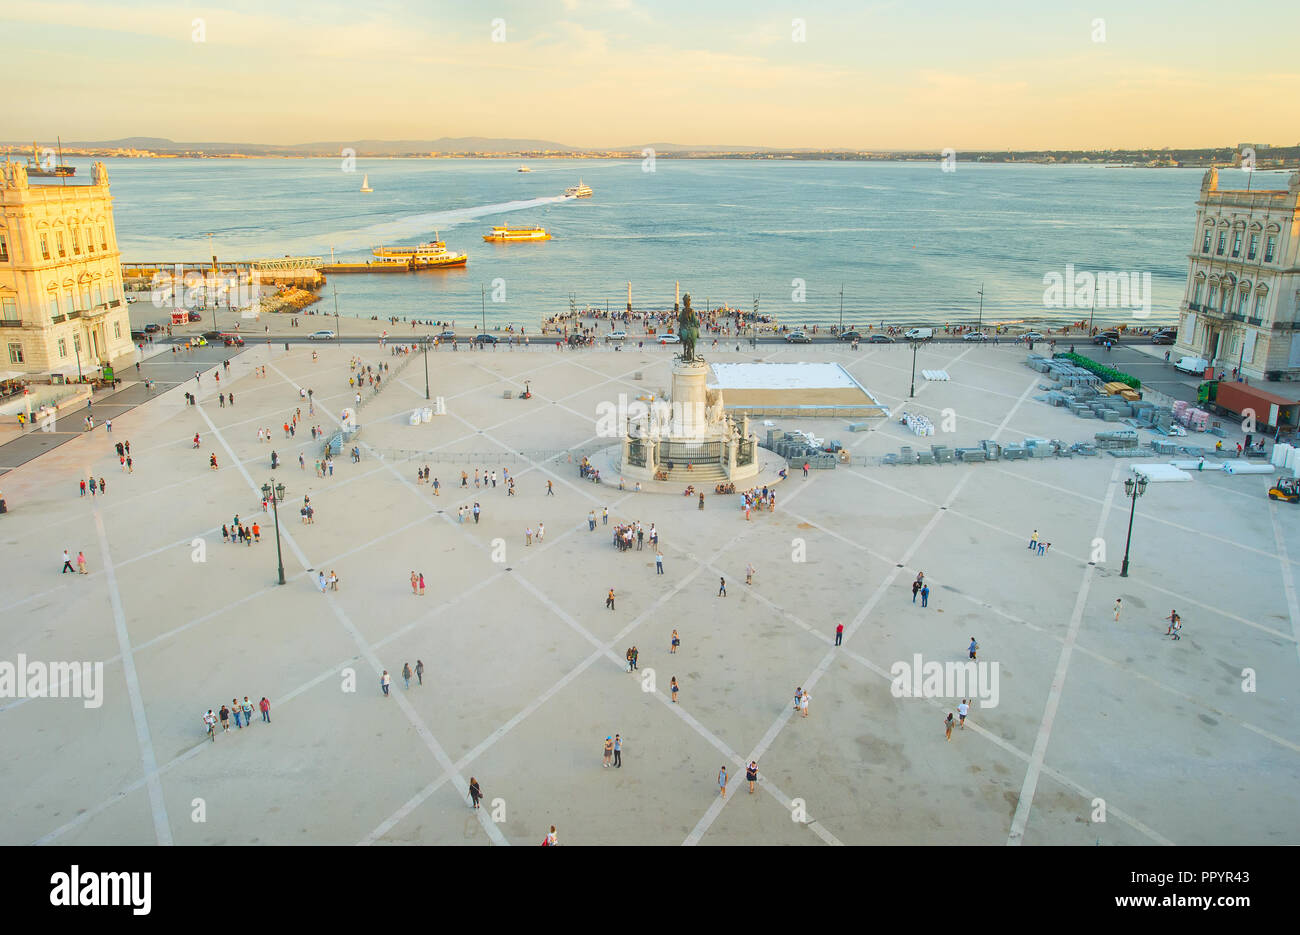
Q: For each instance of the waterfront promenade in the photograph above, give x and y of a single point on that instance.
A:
(524, 666)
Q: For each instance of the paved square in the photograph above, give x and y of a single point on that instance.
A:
(1193, 741)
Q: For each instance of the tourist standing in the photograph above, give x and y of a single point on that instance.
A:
(676, 641)
(475, 793)
(722, 586)
(1033, 541)
(673, 688)
(1118, 602)
(618, 752)
(609, 751)
(234, 707)
(406, 674)
(609, 599)
(265, 705)
(749, 573)
(419, 672)
(659, 563)
(925, 595)
(751, 775)
(722, 781)
(973, 648)
(384, 682)
(81, 562)
(839, 633)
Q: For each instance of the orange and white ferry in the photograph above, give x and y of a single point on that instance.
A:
(507, 234)
(431, 255)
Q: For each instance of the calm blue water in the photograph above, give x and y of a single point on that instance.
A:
(909, 243)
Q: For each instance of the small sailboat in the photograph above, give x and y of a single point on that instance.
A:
(365, 184)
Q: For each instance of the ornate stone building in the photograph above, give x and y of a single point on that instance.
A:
(61, 300)
(1242, 301)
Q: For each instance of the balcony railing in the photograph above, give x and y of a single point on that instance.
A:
(1235, 317)
(1194, 306)
(1254, 321)
(58, 319)
(10, 323)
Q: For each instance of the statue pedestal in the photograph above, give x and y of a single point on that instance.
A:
(690, 399)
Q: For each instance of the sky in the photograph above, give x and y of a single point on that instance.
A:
(912, 74)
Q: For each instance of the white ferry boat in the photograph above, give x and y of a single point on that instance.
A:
(523, 169)
(431, 255)
(578, 191)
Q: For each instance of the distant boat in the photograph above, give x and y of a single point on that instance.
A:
(505, 234)
(523, 169)
(47, 171)
(365, 184)
(578, 191)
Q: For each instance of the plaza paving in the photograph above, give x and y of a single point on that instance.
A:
(524, 664)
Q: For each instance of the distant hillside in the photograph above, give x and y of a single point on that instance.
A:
(463, 144)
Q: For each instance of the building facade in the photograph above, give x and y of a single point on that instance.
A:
(1241, 307)
(62, 309)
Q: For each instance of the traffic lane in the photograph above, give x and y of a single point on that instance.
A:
(1154, 373)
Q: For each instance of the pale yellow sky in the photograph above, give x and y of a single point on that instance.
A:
(619, 73)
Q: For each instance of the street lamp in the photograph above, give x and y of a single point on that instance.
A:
(275, 493)
(76, 347)
(1133, 489)
(483, 303)
(426, 367)
(841, 308)
(916, 346)
(338, 338)
(979, 325)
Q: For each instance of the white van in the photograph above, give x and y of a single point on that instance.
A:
(919, 334)
(1196, 365)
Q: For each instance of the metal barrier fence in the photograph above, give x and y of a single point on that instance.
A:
(528, 456)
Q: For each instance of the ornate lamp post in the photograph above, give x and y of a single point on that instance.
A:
(916, 346)
(1133, 489)
(426, 367)
(275, 493)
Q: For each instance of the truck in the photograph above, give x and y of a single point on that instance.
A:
(1269, 412)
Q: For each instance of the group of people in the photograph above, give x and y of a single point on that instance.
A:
(237, 532)
(756, 499)
(242, 712)
(386, 680)
(1035, 543)
(95, 486)
(588, 471)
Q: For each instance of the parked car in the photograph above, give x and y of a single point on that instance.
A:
(919, 334)
(797, 337)
(1194, 365)
(616, 336)
(1104, 337)
(195, 316)
(974, 336)
(669, 339)
(152, 328)
(138, 336)
(880, 339)
(446, 336)
(1034, 336)
(325, 335)
(850, 336)
(232, 340)
(1165, 336)
(485, 339)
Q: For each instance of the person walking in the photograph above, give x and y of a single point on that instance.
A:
(962, 710)
(749, 573)
(805, 469)
(225, 719)
(83, 488)
(476, 512)
(541, 527)
(67, 563)
(210, 719)
(248, 711)
(420, 584)
(925, 595)
(265, 705)
(419, 672)
(384, 681)
(722, 781)
(591, 520)
(235, 707)
(634, 653)
(475, 793)
(81, 562)
(528, 536)
(947, 727)
(618, 752)
(973, 648)
(415, 583)
(673, 688)
(803, 702)
(609, 751)
(722, 586)
(659, 563)
(751, 775)
(406, 674)
(604, 516)
(1173, 618)
(1118, 602)
(1177, 628)
(551, 839)
(674, 643)
(839, 633)
(550, 489)
(916, 589)
(609, 599)
(1033, 541)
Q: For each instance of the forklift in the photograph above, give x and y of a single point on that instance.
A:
(1285, 488)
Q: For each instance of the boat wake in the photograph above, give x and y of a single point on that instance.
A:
(416, 226)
